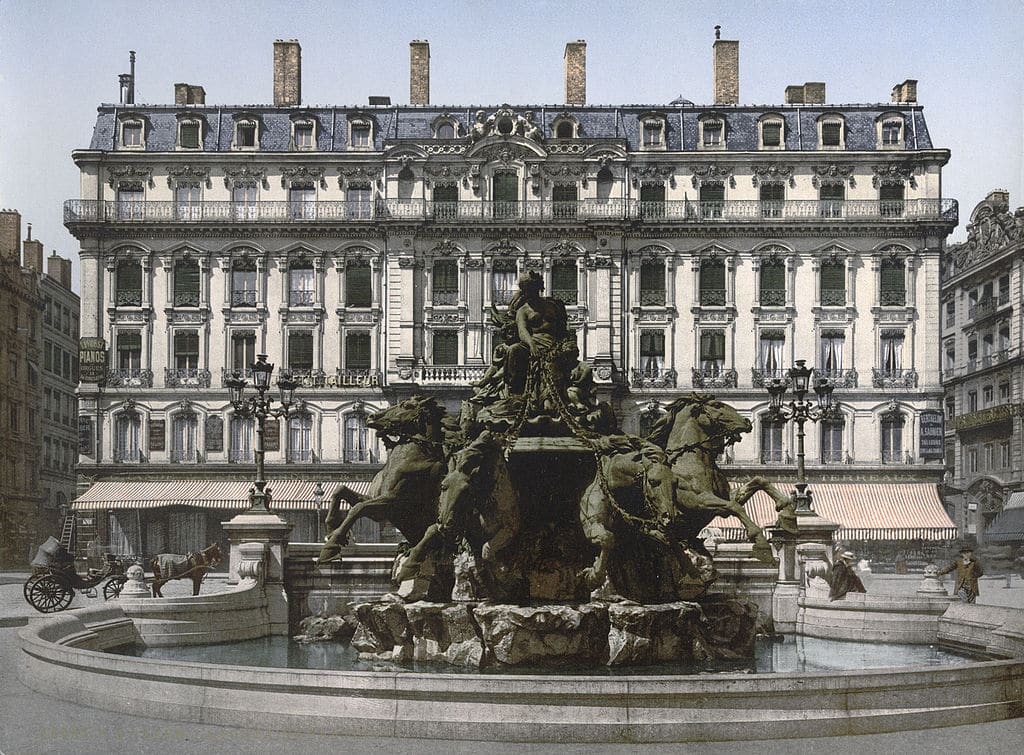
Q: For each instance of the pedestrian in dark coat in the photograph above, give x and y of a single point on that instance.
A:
(968, 569)
(844, 578)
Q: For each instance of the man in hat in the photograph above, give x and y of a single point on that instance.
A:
(968, 569)
(844, 578)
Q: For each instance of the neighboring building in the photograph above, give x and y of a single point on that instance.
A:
(23, 523)
(983, 372)
(696, 248)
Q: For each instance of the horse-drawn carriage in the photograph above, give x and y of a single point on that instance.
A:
(54, 580)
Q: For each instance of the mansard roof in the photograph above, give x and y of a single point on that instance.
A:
(622, 123)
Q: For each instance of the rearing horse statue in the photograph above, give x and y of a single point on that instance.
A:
(405, 490)
(694, 431)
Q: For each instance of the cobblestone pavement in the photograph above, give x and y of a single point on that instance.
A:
(34, 724)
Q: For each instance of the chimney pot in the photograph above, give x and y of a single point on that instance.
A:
(576, 72)
(419, 72)
(287, 72)
(726, 54)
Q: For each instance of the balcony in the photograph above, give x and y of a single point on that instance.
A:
(131, 297)
(186, 299)
(568, 296)
(839, 378)
(448, 374)
(714, 377)
(833, 297)
(653, 377)
(987, 307)
(129, 378)
(991, 415)
(760, 376)
(243, 298)
(301, 298)
(773, 297)
(652, 297)
(186, 377)
(240, 456)
(892, 298)
(445, 298)
(899, 378)
(712, 297)
(127, 456)
(79, 211)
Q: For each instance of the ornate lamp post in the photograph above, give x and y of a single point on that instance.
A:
(800, 410)
(259, 407)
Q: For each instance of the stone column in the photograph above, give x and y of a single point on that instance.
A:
(269, 531)
(801, 555)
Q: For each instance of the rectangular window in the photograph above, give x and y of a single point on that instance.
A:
(300, 438)
(131, 134)
(712, 199)
(243, 285)
(893, 284)
(187, 202)
(652, 284)
(652, 353)
(832, 442)
(186, 284)
(361, 135)
(971, 461)
(713, 132)
(304, 135)
(652, 200)
(892, 439)
(130, 204)
(950, 357)
(773, 284)
(712, 352)
(565, 281)
(950, 407)
(183, 438)
(771, 134)
(243, 351)
(972, 351)
(300, 350)
(243, 202)
(890, 200)
(1004, 391)
(246, 135)
(950, 313)
(446, 347)
(892, 353)
(359, 202)
(358, 288)
(1004, 454)
(357, 351)
(356, 439)
(972, 401)
(1004, 289)
(301, 291)
(47, 356)
(771, 441)
(832, 197)
(302, 202)
(189, 135)
(987, 395)
(243, 432)
(832, 348)
(712, 283)
(772, 197)
(446, 201)
(503, 281)
(129, 350)
(831, 134)
(652, 133)
(186, 350)
(892, 132)
(770, 357)
(445, 282)
(564, 199)
(832, 279)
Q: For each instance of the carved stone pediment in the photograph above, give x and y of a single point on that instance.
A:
(187, 174)
(772, 173)
(505, 123)
(712, 172)
(893, 174)
(833, 173)
(119, 173)
(291, 175)
(244, 175)
(358, 174)
(642, 174)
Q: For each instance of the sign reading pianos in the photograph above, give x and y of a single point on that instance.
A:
(92, 360)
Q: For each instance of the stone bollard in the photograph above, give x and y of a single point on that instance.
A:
(135, 587)
(930, 583)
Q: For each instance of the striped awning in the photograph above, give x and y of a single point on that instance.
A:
(286, 495)
(1008, 527)
(869, 511)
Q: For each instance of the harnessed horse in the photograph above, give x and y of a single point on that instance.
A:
(168, 566)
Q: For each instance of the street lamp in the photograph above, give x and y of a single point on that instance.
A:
(259, 407)
(800, 410)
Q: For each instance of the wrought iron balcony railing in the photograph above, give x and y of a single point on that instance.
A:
(986, 306)
(652, 297)
(129, 378)
(128, 297)
(712, 297)
(839, 378)
(901, 378)
(186, 377)
(714, 377)
(472, 210)
(226, 373)
(243, 298)
(186, 298)
(653, 377)
(566, 295)
(240, 455)
(833, 297)
(301, 298)
(892, 298)
(760, 376)
(445, 298)
(773, 297)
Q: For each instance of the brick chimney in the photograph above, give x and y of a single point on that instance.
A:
(905, 92)
(189, 94)
(59, 269)
(727, 70)
(10, 234)
(287, 72)
(32, 252)
(576, 72)
(419, 72)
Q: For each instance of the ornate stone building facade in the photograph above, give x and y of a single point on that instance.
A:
(983, 372)
(695, 247)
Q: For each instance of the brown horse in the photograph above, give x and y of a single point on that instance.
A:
(168, 566)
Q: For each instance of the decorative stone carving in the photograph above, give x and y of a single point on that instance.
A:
(251, 561)
(833, 173)
(245, 175)
(712, 172)
(893, 174)
(505, 122)
(655, 172)
(118, 173)
(291, 175)
(766, 173)
(564, 170)
(187, 174)
(446, 171)
(358, 174)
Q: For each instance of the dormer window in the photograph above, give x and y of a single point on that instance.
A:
(190, 134)
(653, 133)
(831, 133)
(246, 134)
(360, 134)
(712, 133)
(446, 131)
(890, 132)
(772, 133)
(304, 134)
(132, 134)
(566, 127)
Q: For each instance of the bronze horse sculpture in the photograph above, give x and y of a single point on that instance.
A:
(694, 431)
(168, 566)
(477, 501)
(405, 490)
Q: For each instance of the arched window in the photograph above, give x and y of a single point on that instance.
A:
(243, 282)
(300, 438)
(127, 434)
(184, 432)
(357, 439)
(565, 281)
(186, 283)
(652, 283)
(358, 289)
(445, 130)
(565, 130)
(243, 431)
(605, 183)
(892, 438)
(129, 283)
(406, 183)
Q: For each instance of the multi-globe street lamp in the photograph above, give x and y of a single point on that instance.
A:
(800, 410)
(259, 407)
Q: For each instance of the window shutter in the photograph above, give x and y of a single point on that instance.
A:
(564, 193)
(446, 193)
(652, 276)
(357, 351)
(300, 351)
(186, 283)
(446, 347)
(712, 192)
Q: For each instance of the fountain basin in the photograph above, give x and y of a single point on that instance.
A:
(61, 657)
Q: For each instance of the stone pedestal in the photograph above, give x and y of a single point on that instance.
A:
(801, 557)
(271, 531)
(135, 587)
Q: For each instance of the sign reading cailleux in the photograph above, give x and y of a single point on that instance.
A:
(92, 360)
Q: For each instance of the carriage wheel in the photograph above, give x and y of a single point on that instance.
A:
(114, 586)
(47, 594)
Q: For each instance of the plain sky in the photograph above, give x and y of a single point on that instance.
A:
(59, 60)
